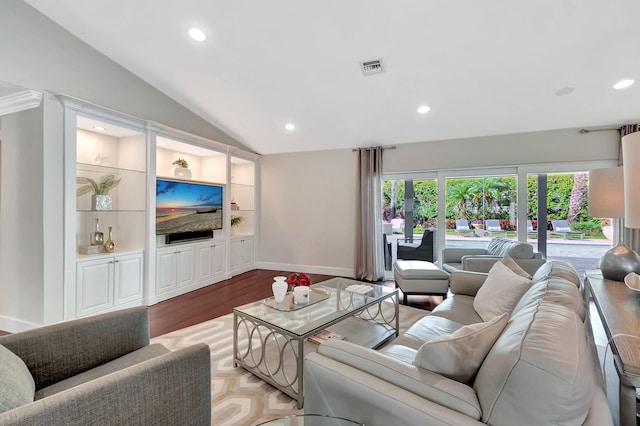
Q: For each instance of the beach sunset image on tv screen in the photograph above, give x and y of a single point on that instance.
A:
(187, 206)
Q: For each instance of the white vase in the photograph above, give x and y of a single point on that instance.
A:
(279, 288)
(301, 295)
(181, 172)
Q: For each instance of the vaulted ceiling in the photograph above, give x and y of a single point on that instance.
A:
(482, 67)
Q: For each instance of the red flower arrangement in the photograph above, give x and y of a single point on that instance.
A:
(301, 279)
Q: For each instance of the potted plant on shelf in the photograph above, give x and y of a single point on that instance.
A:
(236, 220)
(181, 169)
(100, 200)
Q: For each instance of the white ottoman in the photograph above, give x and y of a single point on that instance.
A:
(420, 277)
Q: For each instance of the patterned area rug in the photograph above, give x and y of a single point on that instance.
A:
(237, 396)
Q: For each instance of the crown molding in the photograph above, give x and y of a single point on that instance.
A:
(19, 101)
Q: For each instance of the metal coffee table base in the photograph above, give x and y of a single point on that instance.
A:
(276, 355)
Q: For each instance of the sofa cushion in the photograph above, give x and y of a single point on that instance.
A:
(540, 371)
(16, 382)
(136, 357)
(430, 327)
(558, 269)
(459, 355)
(511, 264)
(458, 308)
(501, 246)
(556, 290)
(500, 292)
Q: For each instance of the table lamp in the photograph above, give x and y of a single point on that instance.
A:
(606, 199)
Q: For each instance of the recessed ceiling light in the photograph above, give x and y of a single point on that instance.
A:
(423, 109)
(99, 128)
(623, 84)
(196, 152)
(290, 126)
(197, 34)
(161, 143)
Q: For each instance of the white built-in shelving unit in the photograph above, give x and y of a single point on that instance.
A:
(144, 269)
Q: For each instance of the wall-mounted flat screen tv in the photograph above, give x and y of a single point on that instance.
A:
(187, 206)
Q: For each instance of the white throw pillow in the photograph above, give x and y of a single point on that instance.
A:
(501, 291)
(460, 354)
(511, 264)
(16, 384)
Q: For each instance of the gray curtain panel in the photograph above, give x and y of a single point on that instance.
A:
(369, 247)
(631, 237)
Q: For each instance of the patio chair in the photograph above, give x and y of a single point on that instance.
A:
(409, 250)
(530, 231)
(462, 227)
(492, 226)
(561, 227)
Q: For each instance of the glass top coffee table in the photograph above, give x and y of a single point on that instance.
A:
(270, 339)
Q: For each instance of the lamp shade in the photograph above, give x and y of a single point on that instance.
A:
(606, 192)
(631, 158)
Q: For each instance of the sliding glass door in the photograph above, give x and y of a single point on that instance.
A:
(516, 202)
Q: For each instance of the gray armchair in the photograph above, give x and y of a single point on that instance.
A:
(102, 370)
(481, 260)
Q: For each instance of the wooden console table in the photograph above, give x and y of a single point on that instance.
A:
(619, 310)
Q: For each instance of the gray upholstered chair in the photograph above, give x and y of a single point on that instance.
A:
(102, 370)
(482, 259)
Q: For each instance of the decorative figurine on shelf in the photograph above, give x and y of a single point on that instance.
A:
(110, 245)
(100, 200)
(96, 241)
(97, 237)
(181, 169)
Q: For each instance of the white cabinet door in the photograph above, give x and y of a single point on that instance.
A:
(127, 278)
(236, 255)
(218, 259)
(166, 270)
(242, 257)
(186, 266)
(204, 262)
(94, 286)
(247, 253)
(209, 262)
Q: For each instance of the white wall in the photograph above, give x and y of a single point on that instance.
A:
(308, 207)
(307, 210)
(38, 54)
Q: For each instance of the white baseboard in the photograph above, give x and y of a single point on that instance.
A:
(309, 269)
(14, 325)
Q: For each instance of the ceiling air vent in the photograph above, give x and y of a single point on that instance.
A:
(372, 67)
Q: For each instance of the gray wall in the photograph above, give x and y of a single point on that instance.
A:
(38, 54)
(308, 217)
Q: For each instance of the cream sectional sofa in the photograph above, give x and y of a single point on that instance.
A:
(542, 368)
(481, 260)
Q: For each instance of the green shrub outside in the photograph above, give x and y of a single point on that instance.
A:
(491, 197)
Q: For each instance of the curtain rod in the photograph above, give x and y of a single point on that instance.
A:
(599, 130)
(384, 147)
